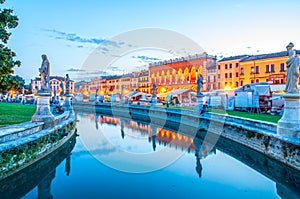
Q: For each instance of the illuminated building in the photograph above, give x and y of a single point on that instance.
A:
(54, 82)
(233, 72)
(143, 81)
(181, 73)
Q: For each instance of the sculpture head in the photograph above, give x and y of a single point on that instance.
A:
(290, 46)
(44, 57)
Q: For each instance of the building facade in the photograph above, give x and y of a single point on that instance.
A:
(181, 73)
(264, 68)
(55, 83)
(228, 72)
(233, 72)
(143, 81)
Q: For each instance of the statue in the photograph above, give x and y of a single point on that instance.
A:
(67, 80)
(154, 90)
(45, 73)
(62, 88)
(199, 84)
(292, 75)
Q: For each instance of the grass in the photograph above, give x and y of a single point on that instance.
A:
(15, 113)
(255, 116)
(243, 114)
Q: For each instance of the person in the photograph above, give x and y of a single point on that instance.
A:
(292, 75)
(45, 73)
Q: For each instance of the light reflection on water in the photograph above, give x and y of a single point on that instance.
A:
(196, 173)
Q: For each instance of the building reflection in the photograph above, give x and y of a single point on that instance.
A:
(157, 135)
(287, 180)
(39, 174)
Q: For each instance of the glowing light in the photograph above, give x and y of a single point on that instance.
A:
(163, 90)
(173, 136)
(227, 87)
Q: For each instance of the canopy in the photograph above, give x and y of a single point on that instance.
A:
(277, 87)
(179, 91)
(263, 89)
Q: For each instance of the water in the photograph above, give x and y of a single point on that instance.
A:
(120, 158)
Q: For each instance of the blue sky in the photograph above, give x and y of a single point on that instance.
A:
(68, 31)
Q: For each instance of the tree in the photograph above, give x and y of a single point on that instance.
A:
(14, 82)
(7, 63)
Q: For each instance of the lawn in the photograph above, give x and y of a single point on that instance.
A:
(15, 113)
(255, 116)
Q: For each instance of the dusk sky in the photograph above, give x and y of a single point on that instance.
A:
(68, 31)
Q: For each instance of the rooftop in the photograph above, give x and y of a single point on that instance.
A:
(233, 58)
(266, 56)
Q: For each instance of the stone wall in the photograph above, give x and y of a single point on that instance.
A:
(24, 144)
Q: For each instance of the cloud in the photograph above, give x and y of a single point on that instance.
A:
(73, 37)
(74, 70)
(146, 59)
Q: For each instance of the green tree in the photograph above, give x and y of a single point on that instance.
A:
(14, 82)
(7, 63)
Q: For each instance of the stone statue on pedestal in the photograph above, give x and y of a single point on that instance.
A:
(292, 75)
(43, 113)
(45, 73)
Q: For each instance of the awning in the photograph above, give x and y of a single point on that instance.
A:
(179, 91)
(263, 89)
(277, 87)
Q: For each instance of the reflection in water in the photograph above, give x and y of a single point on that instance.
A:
(40, 174)
(287, 179)
(44, 187)
(68, 165)
(205, 171)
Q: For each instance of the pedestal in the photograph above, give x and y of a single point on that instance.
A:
(153, 101)
(67, 105)
(43, 113)
(199, 104)
(289, 124)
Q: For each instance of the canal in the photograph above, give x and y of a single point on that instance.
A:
(122, 158)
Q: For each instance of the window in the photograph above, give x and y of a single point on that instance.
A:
(267, 69)
(226, 75)
(219, 67)
(282, 67)
(252, 81)
(236, 74)
(242, 82)
(236, 65)
(257, 80)
(226, 66)
(230, 65)
(219, 76)
(242, 71)
(236, 84)
(272, 68)
(252, 70)
(257, 69)
(208, 78)
(214, 78)
(225, 83)
(230, 75)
